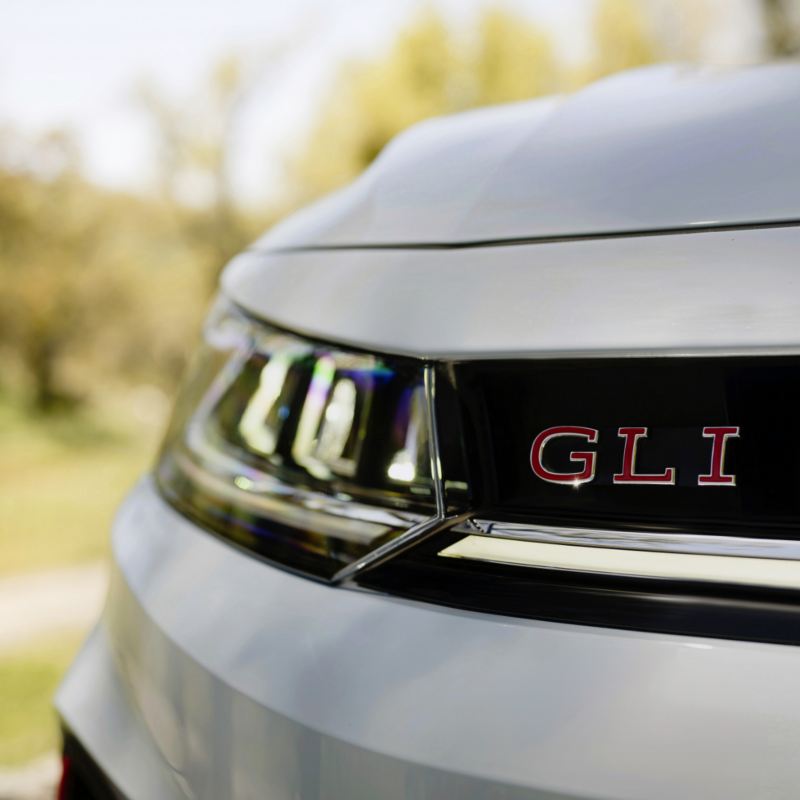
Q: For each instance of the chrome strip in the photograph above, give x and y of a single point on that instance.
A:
(666, 542)
(425, 528)
(395, 547)
(429, 378)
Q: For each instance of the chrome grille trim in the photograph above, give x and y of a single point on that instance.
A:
(425, 528)
(665, 541)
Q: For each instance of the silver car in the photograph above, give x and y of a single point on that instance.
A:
(483, 483)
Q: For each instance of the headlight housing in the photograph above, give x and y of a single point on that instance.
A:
(310, 455)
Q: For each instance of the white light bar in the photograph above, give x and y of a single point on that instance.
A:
(772, 572)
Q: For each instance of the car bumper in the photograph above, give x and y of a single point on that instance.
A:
(213, 674)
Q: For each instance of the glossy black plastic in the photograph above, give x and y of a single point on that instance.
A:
(504, 405)
(655, 605)
(82, 778)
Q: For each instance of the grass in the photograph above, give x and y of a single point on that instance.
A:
(61, 479)
(28, 680)
(60, 482)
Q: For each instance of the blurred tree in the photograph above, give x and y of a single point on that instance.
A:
(513, 60)
(622, 39)
(781, 27)
(195, 139)
(682, 28)
(47, 243)
(370, 103)
(427, 72)
(100, 287)
(78, 266)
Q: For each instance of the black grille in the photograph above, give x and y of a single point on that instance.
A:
(504, 406)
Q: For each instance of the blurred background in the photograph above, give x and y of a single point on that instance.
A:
(141, 145)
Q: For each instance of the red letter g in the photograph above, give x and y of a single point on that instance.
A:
(586, 458)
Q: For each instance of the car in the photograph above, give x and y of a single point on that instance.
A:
(485, 480)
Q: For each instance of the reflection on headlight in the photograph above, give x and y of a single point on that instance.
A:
(308, 453)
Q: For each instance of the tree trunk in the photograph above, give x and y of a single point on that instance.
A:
(42, 364)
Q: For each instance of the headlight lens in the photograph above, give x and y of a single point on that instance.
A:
(308, 454)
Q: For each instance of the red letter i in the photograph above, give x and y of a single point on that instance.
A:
(720, 435)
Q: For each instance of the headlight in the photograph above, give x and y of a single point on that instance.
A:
(309, 455)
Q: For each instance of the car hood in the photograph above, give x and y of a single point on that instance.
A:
(654, 149)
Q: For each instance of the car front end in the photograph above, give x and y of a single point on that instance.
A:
(482, 486)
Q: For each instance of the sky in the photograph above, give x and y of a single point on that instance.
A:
(77, 63)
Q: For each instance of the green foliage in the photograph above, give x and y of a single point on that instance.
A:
(512, 61)
(95, 284)
(102, 288)
(28, 680)
(781, 27)
(194, 138)
(622, 38)
(429, 71)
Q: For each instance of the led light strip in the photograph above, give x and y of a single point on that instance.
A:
(778, 573)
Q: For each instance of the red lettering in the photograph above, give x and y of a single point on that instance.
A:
(629, 474)
(719, 436)
(587, 458)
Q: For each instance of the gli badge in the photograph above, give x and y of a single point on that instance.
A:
(585, 460)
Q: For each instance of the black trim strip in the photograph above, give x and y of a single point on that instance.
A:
(711, 227)
(683, 608)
